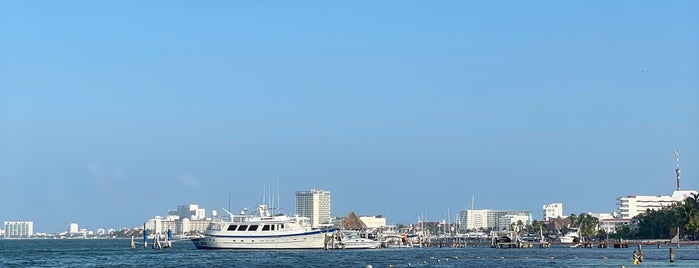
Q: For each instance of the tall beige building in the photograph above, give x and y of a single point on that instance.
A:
(314, 204)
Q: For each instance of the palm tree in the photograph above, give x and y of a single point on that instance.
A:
(587, 224)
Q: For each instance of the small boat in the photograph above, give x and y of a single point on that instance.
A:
(397, 241)
(352, 240)
(570, 236)
(262, 231)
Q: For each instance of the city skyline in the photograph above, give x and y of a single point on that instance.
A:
(112, 111)
(194, 212)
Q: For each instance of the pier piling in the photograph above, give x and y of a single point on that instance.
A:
(672, 255)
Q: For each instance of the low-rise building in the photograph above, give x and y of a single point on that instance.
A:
(612, 225)
(373, 222)
(508, 221)
(632, 205)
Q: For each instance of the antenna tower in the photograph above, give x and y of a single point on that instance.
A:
(678, 171)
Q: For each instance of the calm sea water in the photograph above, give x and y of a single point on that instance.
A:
(116, 253)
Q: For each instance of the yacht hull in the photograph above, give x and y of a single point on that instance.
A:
(305, 240)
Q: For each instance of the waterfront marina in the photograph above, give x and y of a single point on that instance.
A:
(116, 253)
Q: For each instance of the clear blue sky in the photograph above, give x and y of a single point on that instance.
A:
(112, 112)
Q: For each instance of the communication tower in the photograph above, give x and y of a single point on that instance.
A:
(677, 170)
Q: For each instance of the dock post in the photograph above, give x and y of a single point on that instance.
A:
(145, 237)
(672, 255)
(169, 238)
(156, 242)
(133, 245)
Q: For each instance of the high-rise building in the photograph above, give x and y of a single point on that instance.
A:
(475, 219)
(191, 211)
(314, 204)
(553, 211)
(19, 229)
(73, 228)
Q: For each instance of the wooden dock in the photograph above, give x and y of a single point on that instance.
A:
(603, 244)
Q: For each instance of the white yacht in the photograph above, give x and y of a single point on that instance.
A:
(570, 236)
(352, 240)
(263, 231)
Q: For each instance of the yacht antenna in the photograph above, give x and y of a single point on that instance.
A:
(279, 204)
(678, 171)
(229, 213)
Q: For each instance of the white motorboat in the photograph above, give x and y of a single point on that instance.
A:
(352, 240)
(570, 236)
(262, 231)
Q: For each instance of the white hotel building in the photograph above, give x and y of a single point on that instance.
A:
(633, 205)
(474, 219)
(185, 220)
(553, 211)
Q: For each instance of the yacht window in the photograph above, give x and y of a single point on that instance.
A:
(274, 227)
(281, 226)
(252, 228)
(232, 227)
(242, 227)
(265, 227)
